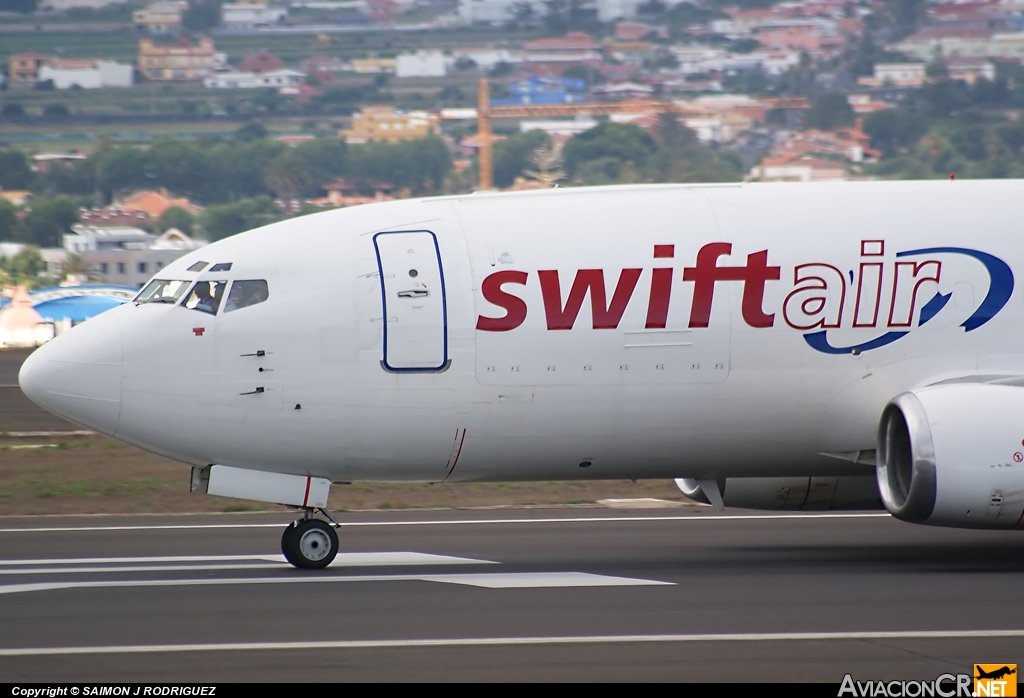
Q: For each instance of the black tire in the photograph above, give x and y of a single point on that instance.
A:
(310, 544)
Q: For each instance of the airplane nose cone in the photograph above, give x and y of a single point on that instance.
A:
(77, 375)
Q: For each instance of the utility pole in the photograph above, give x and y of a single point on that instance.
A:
(485, 161)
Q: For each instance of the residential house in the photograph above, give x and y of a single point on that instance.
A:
(24, 67)
(554, 55)
(261, 61)
(178, 61)
(43, 162)
(497, 11)
(372, 64)
(388, 124)
(273, 78)
(127, 256)
(896, 74)
(249, 15)
(970, 68)
(87, 74)
(487, 58)
(155, 203)
(422, 64)
(161, 17)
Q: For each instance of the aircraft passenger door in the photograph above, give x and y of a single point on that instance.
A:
(413, 298)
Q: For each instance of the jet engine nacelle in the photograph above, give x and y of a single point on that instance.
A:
(951, 455)
(791, 493)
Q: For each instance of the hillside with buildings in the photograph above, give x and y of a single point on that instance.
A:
(195, 120)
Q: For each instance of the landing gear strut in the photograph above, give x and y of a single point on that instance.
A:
(310, 543)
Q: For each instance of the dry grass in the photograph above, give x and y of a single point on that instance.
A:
(96, 475)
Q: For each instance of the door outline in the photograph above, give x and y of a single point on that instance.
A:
(445, 361)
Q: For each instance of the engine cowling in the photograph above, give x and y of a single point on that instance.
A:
(791, 493)
(951, 455)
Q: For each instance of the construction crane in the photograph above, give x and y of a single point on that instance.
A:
(485, 112)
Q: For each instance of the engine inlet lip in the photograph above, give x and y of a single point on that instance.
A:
(906, 476)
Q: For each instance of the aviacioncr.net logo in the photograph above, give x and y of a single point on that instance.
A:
(944, 686)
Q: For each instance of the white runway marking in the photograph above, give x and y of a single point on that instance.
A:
(512, 580)
(459, 522)
(513, 641)
(145, 564)
(541, 580)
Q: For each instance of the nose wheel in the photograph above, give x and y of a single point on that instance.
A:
(309, 544)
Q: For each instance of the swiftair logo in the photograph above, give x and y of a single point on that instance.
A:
(945, 686)
(995, 680)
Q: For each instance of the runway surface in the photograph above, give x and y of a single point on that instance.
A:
(541, 594)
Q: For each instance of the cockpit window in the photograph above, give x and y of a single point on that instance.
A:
(198, 266)
(162, 291)
(246, 293)
(221, 266)
(206, 296)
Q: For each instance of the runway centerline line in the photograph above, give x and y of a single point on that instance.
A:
(235, 562)
(460, 522)
(513, 641)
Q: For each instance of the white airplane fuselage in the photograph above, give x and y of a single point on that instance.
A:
(623, 332)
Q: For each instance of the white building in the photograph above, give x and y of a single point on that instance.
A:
(271, 78)
(560, 127)
(87, 75)
(496, 11)
(487, 58)
(238, 16)
(898, 74)
(422, 64)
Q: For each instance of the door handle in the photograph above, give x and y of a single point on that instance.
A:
(416, 293)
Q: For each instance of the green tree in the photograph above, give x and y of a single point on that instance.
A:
(49, 220)
(15, 172)
(829, 111)
(511, 156)
(8, 220)
(251, 132)
(224, 220)
(202, 15)
(25, 7)
(323, 158)
(13, 110)
(287, 176)
(892, 130)
(609, 142)
(56, 110)
(26, 267)
(176, 217)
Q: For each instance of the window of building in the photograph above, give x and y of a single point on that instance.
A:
(143, 267)
(120, 267)
(104, 267)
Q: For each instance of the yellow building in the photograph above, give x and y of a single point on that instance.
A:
(24, 67)
(179, 61)
(373, 65)
(386, 124)
(162, 17)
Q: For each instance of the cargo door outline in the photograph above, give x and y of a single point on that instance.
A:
(445, 361)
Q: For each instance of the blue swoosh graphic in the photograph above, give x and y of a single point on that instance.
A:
(999, 291)
(819, 340)
(1000, 287)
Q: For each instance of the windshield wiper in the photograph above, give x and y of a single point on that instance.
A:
(159, 300)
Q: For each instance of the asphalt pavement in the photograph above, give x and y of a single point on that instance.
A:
(507, 594)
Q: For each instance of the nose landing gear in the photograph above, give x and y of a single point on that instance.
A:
(310, 543)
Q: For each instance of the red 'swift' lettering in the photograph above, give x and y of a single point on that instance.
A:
(661, 290)
(754, 275)
(606, 317)
(515, 307)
